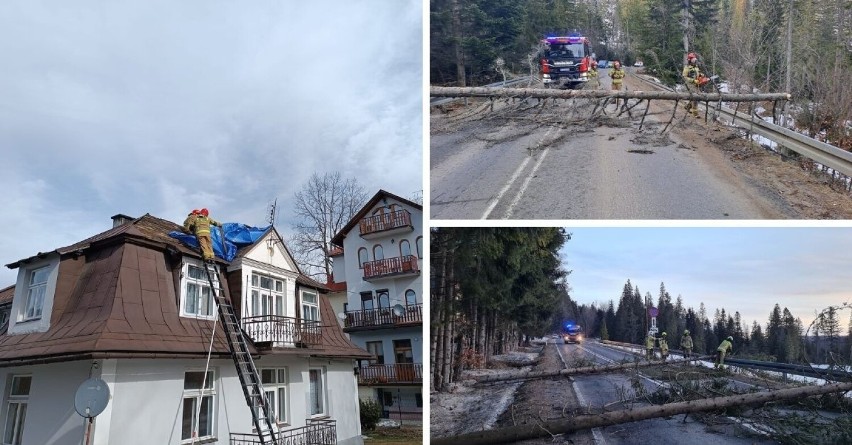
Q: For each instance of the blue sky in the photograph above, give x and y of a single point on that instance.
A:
(161, 107)
(739, 269)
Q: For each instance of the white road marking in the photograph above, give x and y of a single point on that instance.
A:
(525, 184)
(597, 435)
(514, 178)
(505, 188)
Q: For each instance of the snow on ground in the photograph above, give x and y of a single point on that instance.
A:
(466, 409)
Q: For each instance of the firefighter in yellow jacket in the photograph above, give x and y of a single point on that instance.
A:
(692, 78)
(664, 346)
(201, 227)
(649, 346)
(726, 346)
(617, 74)
(189, 222)
(686, 344)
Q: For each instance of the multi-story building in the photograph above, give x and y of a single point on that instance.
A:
(135, 308)
(378, 258)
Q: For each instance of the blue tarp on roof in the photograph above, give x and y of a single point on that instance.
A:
(235, 236)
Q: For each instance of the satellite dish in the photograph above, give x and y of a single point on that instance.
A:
(398, 310)
(341, 315)
(91, 398)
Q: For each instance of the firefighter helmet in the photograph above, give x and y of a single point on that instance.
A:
(686, 332)
(730, 338)
(664, 334)
(691, 56)
(204, 212)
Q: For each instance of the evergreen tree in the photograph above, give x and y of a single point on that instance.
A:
(775, 334)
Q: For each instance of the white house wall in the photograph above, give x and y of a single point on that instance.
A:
(148, 394)
(51, 418)
(277, 256)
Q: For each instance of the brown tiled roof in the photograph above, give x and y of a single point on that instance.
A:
(335, 287)
(305, 280)
(338, 238)
(7, 294)
(335, 251)
(120, 298)
(146, 226)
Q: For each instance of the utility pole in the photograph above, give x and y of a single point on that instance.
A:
(685, 29)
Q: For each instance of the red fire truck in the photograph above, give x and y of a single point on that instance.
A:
(565, 60)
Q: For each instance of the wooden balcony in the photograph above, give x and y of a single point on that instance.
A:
(282, 331)
(316, 432)
(399, 266)
(386, 224)
(382, 318)
(395, 374)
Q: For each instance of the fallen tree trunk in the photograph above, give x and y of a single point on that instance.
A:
(539, 93)
(544, 429)
(530, 375)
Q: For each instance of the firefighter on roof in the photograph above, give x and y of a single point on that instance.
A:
(692, 77)
(201, 228)
(189, 222)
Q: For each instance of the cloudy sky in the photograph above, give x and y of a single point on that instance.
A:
(161, 107)
(739, 269)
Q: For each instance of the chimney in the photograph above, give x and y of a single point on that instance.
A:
(121, 219)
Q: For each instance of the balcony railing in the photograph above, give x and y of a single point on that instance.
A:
(386, 221)
(396, 374)
(383, 317)
(316, 432)
(279, 329)
(399, 265)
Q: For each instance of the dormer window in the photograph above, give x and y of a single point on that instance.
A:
(196, 296)
(35, 293)
(310, 306)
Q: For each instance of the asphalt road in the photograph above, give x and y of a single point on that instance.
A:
(603, 389)
(531, 161)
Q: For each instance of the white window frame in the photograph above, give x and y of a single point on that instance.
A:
(22, 322)
(407, 247)
(414, 294)
(202, 283)
(266, 301)
(208, 389)
(323, 393)
(278, 393)
(362, 258)
(35, 294)
(20, 401)
(306, 305)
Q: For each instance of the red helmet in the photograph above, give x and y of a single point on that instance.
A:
(204, 212)
(691, 56)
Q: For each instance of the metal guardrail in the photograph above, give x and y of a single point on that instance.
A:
(505, 83)
(825, 154)
(784, 368)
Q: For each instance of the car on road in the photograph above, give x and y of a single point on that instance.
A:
(572, 333)
(602, 64)
(638, 63)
